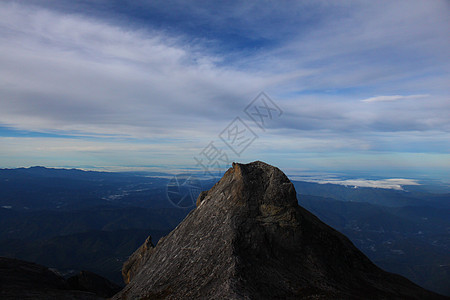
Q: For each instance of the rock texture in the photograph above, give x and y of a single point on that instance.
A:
(249, 239)
(137, 260)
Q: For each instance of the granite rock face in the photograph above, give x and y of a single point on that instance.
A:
(249, 239)
(137, 260)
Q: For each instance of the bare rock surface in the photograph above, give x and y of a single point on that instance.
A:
(137, 260)
(249, 239)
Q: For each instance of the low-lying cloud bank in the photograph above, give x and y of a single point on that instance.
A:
(391, 183)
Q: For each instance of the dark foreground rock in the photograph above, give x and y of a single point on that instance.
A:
(24, 280)
(91, 282)
(249, 239)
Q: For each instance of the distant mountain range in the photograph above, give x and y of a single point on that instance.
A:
(100, 218)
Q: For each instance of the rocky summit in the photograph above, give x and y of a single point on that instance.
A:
(249, 239)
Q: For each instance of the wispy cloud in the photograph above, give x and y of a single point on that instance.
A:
(177, 74)
(393, 98)
(73, 73)
(391, 183)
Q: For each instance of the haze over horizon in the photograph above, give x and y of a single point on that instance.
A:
(358, 87)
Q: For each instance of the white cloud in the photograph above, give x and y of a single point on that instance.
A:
(64, 152)
(391, 183)
(393, 98)
(71, 73)
(78, 75)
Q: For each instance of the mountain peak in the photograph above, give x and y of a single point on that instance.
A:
(255, 184)
(249, 239)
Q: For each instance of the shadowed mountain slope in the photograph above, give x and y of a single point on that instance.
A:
(25, 280)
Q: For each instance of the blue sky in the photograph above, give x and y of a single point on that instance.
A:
(363, 86)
